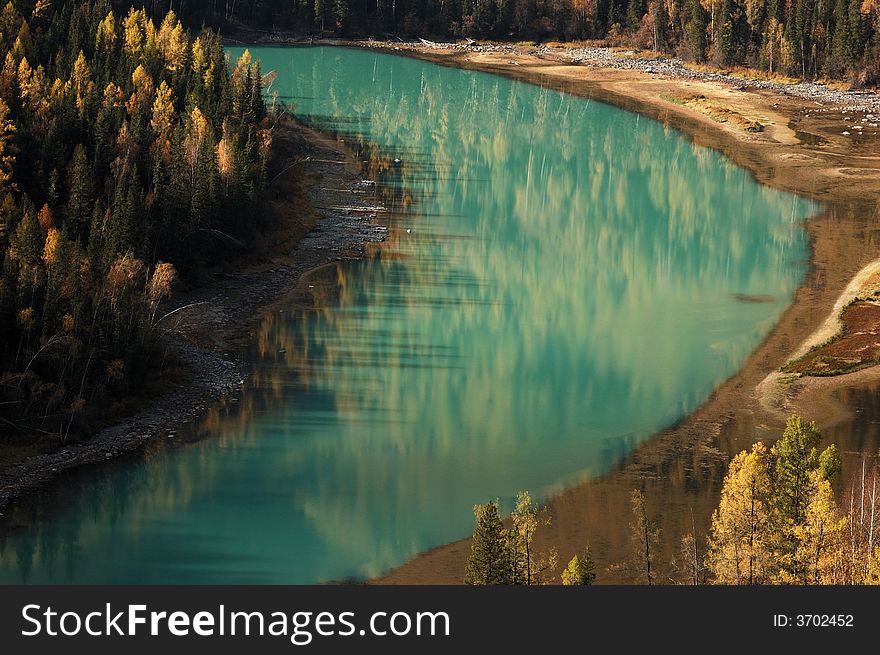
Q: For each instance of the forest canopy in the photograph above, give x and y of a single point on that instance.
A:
(126, 147)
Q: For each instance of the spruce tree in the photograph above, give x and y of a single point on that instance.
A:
(634, 12)
(695, 23)
(725, 45)
(796, 459)
(490, 561)
(80, 196)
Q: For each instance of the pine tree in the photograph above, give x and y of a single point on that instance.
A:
(27, 250)
(695, 24)
(489, 562)
(796, 457)
(80, 195)
(634, 12)
(660, 22)
(725, 45)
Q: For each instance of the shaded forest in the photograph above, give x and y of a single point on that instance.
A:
(805, 38)
(130, 152)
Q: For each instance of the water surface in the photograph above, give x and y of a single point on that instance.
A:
(563, 279)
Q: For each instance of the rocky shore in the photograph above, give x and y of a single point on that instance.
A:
(672, 67)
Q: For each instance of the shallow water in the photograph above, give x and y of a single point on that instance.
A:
(563, 279)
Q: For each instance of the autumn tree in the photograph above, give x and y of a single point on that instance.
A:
(837, 38)
(7, 156)
(779, 520)
(819, 552)
(529, 566)
(644, 539)
(739, 550)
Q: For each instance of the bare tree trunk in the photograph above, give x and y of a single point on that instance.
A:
(871, 523)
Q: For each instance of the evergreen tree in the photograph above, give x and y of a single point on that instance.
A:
(695, 24)
(80, 193)
(725, 44)
(490, 560)
(660, 23)
(796, 458)
(635, 10)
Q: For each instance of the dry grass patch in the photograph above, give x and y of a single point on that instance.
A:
(715, 110)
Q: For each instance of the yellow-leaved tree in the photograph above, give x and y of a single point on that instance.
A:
(739, 543)
(164, 118)
(7, 158)
(819, 551)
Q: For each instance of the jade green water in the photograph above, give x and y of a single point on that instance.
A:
(569, 279)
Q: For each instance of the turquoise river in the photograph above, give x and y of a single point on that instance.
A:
(567, 278)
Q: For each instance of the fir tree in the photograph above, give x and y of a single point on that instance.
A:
(490, 560)
(796, 458)
(80, 195)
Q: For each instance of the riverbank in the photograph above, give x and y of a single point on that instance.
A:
(314, 197)
(815, 141)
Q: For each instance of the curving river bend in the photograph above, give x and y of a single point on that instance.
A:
(563, 279)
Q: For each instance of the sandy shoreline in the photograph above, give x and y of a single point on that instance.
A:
(804, 147)
(222, 311)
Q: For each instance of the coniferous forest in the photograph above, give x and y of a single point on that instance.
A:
(129, 150)
(804, 38)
